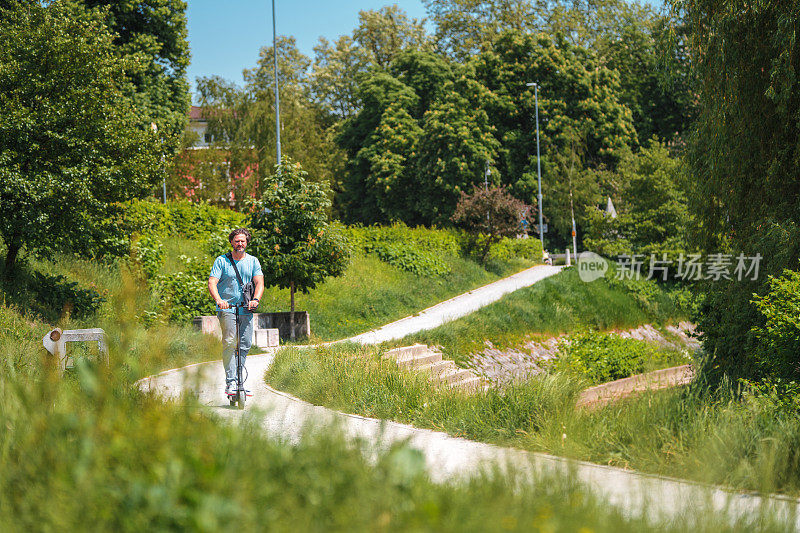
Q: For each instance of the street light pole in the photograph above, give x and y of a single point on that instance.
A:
(277, 97)
(154, 127)
(538, 160)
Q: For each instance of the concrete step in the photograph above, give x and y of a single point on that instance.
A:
(454, 375)
(406, 351)
(419, 360)
(470, 384)
(443, 372)
(437, 368)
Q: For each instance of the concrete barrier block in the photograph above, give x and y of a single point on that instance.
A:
(208, 325)
(265, 338)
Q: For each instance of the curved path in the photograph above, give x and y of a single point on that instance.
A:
(448, 457)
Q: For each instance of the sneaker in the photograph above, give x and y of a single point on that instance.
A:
(247, 393)
(230, 388)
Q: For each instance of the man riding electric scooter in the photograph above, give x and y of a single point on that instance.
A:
(236, 283)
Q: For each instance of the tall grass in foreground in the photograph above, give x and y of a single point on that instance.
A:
(91, 452)
(559, 304)
(749, 441)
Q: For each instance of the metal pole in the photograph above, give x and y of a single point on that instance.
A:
(486, 189)
(277, 97)
(538, 162)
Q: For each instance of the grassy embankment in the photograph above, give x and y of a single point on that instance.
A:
(556, 305)
(89, 451)
(749, 441)
(373, 293)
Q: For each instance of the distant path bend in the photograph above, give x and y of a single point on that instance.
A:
(449, 457)
(456, 307)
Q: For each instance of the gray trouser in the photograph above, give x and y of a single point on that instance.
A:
(227, 322)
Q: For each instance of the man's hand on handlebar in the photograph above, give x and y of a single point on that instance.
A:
(222, 304)
(252, 305)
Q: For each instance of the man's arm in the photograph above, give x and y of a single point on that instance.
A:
(212, 289)
(259, 281)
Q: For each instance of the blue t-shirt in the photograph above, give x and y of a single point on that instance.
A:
(228, 286)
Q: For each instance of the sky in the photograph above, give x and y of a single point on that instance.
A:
(225, 37)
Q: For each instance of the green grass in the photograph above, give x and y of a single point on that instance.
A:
(89, 451)
(750, 442)
(556, 305)
(373, 293)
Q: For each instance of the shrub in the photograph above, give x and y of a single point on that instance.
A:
(488, 215)
(183, 294)
(778, 339)
(149, 218)
(148, 252)
(409, 257)
(420, 251)
(60, 294)
(603, 357)
(508, 249)
(445, 242)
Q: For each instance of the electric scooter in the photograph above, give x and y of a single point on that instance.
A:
(239, 397)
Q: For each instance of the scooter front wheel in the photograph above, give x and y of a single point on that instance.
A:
(241, 397)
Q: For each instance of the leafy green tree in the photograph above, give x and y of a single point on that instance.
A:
(388, 192)
(489, 214)
(570, 188)
(297, 246)
(154, 33)
(458, 144)
(779, 335)
(654, 71)
(426, 74)
(625, 36)
(242, 121)
(71, 143)
(651, 201)
(743, 160)
(293, 67)
(379, 92)
(577, 97)
(387, 32)
(335, 75)
(468, 27)
(339, 67)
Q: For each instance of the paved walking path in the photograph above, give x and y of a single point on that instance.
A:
(457, 307)
(448, 457)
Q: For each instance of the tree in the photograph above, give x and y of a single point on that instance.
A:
(467, 27)
(743, 160)
(154, 33)
(388, 158)
(651, 200)
(242, 121)
(569, 188)
(70, 141)
(387, 32)
(490, 214)
(336, 72)
(577, 97)
(458, 144)
(625, 36)
(363, 146)
(297, 246)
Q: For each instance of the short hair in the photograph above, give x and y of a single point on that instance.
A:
(240, 231)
